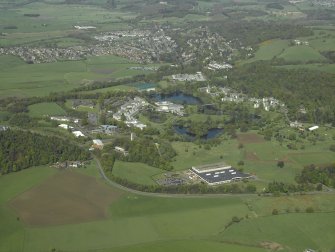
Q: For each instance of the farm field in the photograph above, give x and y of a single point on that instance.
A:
(50, 202)
(247, 113)
(41, 79)
(33, 29)
(269, 49)
(301, 53)
(306, 230)
(138, 223)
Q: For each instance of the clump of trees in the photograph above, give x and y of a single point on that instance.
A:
(292, 86)
(144, 150)
(23, 149)
(318, 175)
(311, 178)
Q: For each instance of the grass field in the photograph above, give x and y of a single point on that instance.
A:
(301, 53)
(328, 68)
(269, 49)
(51, 26)
(142, 223)
(50, 202)
(45, 109)
(189, 154)
(285, 230)
(136, 172)
(41, 79)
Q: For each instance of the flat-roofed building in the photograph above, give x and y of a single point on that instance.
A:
(219, 173)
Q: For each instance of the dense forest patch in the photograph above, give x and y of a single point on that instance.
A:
(23, 149)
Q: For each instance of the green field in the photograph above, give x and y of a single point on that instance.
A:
(46, 109)
(136, 172)
(301, 53)
(189, 154)
(41, 79)
(49, 27)
(328, 68)
(143, 223)
(285, 229)
(269, 49)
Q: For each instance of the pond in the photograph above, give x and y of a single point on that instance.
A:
(178, 97)
(211, 133)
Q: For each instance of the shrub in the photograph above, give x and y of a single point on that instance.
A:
(275, 212)
(309, 210)
(280, 164)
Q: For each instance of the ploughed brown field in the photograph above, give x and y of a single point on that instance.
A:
(66, 198)
(250, 138)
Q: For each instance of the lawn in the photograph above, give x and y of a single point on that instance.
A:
(45, 109)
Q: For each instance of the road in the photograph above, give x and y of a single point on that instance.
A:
(180, 195)
(162, 195)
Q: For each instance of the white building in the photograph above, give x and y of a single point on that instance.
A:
(313, 128)
(78, 133)
(97, 144)
(65, 126)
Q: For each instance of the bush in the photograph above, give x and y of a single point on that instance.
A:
(280, 164)
(332, 147)
(309, 210)
(275, 212)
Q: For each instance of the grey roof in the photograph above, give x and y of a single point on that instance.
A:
(221, 176)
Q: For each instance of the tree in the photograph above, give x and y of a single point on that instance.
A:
(280, 164)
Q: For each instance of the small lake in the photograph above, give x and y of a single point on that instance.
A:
(179, 98)
(211, 133)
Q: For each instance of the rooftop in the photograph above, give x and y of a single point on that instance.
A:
(220, 176)
(210, 167)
